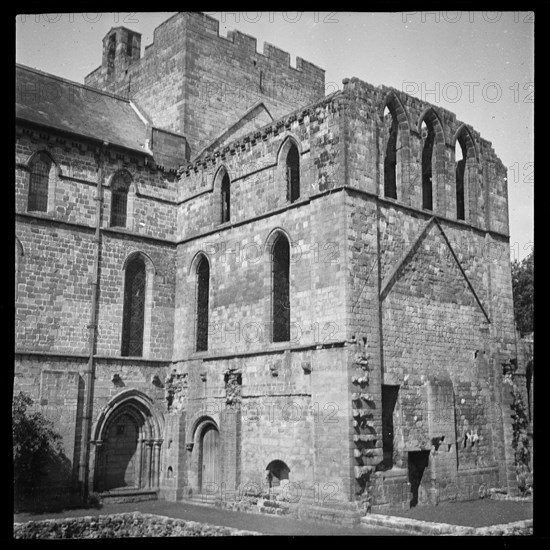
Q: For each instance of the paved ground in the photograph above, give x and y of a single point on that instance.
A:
(478, 513)
(475, 513)
(268, 525)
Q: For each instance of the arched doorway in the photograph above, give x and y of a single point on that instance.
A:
(121, 447)
(209, 458)
(127, 440)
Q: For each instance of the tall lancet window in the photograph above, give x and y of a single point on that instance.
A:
(203, 297)
(134, 309)
(428, 136)
(281, 289)
(390, 158)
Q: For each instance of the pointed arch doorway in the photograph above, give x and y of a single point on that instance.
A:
(121, 467)
(209, 459)
(127, 440)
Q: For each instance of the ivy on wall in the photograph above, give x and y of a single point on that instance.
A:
(520, 424)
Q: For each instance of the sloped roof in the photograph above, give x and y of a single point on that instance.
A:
(49, 100)
(255, 118)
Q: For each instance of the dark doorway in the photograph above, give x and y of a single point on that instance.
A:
(418, 461)
(389, 399)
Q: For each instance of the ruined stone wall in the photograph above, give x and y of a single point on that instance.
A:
(193, 81)
(380, 292)
(485, 179)
(437, 344)
(256, 167)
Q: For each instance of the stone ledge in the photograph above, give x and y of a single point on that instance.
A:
(524, 527)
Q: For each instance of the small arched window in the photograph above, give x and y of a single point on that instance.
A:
(281, 289)
(203, 296)
(41, 170)
(293, 173)
(461, 154)
(277, 470)
(119, 199)
(390, 158)
(134, 309)
(226, 198)
(428, 136)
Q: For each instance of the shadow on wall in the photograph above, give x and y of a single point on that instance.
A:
(43, 474)
(418, 461)
(55, 491)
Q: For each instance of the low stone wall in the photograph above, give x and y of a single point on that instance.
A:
(517, 528)
(121, 526)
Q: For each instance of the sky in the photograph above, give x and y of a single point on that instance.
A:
(479, 65)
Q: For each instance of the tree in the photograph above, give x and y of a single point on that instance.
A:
(523, 290)
(35, 445)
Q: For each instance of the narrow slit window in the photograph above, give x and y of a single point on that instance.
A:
(119, 200)
(226, 198)
(460, 158)
(203, 292)
(427, 157)
(39, 183)
(134, 309)
(293, 173)
(390, 158)
(281, 290)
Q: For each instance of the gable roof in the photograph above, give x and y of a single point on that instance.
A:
(51, 101)
(255, 118)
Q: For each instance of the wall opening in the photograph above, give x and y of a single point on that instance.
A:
(41, 171)
(120, 187)
(417, 462)
(390, 158)
(428, 135)
(121, 447)
(389, 400)
(277, 470)
(203, 296)
(226, 198)
(127, 446)
(293, 173)
(134, 309)
(111, 51)
(281, 289)
(461, 153)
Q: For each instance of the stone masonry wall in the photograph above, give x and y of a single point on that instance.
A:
(485, 180)
(53, 279)
(193, 81)
(377, 295)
